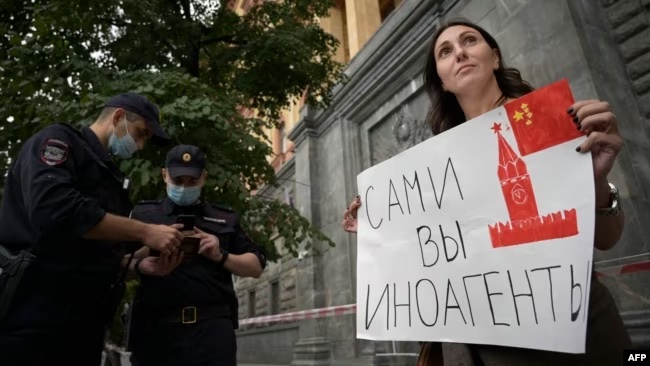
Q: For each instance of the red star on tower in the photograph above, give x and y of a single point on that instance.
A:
(496, 127)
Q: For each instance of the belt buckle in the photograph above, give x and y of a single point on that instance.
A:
(191, 311)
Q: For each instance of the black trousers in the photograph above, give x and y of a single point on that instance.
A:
(210, 342)
(51, 326)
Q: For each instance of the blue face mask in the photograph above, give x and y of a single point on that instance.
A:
(122, 147)
(183, 196)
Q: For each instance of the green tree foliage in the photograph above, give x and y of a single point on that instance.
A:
(198, 61)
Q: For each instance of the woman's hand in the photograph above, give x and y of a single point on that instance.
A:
(350, 216)
(596, 120)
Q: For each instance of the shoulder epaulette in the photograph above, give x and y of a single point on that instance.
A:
(220, 207)
(149, 202)
(63, 128)
(146, 206)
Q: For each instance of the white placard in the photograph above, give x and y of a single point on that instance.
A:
(483, 234)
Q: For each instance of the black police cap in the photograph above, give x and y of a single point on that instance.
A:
(141, 106)
(185, 160)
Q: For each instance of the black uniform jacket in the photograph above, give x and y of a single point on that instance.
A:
(201, 282)
(61, 185)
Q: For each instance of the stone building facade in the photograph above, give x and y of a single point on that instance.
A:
(601, 46)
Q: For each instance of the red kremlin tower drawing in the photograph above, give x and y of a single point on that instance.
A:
(525, 225)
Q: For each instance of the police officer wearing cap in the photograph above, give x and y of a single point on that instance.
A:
(64, 212)
(189, 317)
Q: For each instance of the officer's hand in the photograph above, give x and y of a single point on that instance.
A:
(209, 246)
(160, 266)
(165, 239)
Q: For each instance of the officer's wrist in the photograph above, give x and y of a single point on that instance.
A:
(142, 230)
(218, 256)
(223, 256)
(136, 266)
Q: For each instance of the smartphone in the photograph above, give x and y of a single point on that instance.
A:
(189, 246)
(188, 221)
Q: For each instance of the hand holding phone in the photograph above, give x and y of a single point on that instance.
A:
(188, 222)
(188, 245)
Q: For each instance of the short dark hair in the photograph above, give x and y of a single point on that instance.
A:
(107, 111)
(445, 112)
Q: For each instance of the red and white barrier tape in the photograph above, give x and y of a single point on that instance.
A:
(624, 269)
(302, 315)
(352, 308)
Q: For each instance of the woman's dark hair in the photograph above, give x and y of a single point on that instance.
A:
(445, 112)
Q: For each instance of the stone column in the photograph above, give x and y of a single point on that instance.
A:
(309, 284)
(363, 19)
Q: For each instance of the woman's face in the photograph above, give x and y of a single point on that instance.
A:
(464, 60)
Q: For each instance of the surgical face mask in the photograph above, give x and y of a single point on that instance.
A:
(124, 146)
(183, 196)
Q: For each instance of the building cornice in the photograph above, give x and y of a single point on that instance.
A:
(392, 58)
(306, 127)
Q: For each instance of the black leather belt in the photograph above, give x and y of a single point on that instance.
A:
(189, 314)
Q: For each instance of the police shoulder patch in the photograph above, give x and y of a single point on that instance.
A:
(54, 151)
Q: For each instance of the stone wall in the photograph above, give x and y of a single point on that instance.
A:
(267, 345)
(601, 47)
(284, 271)
(630, 20)
(616, 45)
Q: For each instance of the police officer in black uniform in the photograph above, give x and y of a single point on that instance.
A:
(65, 203)
(189, 317)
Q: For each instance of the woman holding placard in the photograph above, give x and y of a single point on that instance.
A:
(465, 77)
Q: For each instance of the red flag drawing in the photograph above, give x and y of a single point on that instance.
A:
(539, 120)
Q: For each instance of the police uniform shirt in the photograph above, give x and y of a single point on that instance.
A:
(61, 185)
(201, 281)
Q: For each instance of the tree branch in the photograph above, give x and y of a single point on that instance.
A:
(205, 49)
(186, 9)
(204, 30)
(113, 21)
(230, 39)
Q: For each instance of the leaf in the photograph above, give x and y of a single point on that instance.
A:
(146, 177)
(90, 50)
